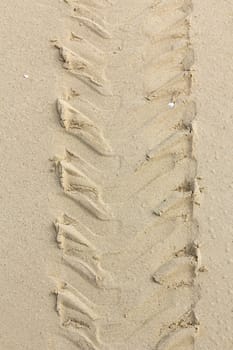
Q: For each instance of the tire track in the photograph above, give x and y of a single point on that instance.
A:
(80, 314)
(131, 262)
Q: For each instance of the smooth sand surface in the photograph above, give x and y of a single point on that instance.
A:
(116, 176)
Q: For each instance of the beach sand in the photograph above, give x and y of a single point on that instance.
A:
(116, 175)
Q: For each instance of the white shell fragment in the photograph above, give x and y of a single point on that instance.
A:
(171, 105)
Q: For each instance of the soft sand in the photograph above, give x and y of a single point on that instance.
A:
(117, 174)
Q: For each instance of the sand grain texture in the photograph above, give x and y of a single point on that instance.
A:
(109, 203)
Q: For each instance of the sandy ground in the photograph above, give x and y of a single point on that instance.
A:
(116, 176)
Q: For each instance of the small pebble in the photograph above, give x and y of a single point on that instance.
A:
(171, 105)
(26, 76)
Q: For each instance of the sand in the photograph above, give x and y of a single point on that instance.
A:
(116, 175)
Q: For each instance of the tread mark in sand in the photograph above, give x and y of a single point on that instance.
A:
(143, 277)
